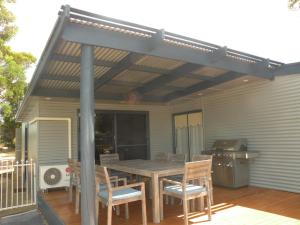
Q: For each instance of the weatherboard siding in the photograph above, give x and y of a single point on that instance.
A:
(268, 115)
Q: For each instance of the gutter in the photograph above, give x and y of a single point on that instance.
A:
(54, 36)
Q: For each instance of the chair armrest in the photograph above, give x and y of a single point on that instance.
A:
(113, 178)
(140, 184)
(170, 181)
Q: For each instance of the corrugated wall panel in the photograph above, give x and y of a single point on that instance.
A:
(53, 142)
(268, 115)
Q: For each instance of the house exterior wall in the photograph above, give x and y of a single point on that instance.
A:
(31, 111)
(158, 115)
(268, 115)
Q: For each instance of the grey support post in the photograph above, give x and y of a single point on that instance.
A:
(87, 142)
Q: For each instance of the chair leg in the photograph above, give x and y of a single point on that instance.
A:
(109, 214)
(211, 191)
(192, 205)
(97, 211)
(161, 201)
(172, 200)
(185, 211)
(208, 206)
(201, 203)
(167, 200)
(118, 210)
(77, 201)
(144, 211)
(126, 211)
(211, 196)
(70, 191)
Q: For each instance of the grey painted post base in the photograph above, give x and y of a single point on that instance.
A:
(87, 142)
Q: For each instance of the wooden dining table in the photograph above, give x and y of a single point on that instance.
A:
(149, 168)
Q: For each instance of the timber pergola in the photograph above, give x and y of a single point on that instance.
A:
(90, 57)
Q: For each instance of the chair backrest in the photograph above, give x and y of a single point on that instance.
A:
(71, 164)
(76, 171)
(198, 170)
(102, 177)
(199, 157)
(176, 157)
(108, 158)
(162, 156)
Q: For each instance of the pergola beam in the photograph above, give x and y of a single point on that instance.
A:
(288, 69)
(167, 78)
(111, 39)
(76, 79)
(203, 85)
(124, 64)
(65, 93)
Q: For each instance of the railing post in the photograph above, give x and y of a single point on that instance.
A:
(87, 142)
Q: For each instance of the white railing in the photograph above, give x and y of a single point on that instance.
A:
(17, 184)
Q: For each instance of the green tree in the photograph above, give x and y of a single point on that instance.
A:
(292, 3)
(12, 74)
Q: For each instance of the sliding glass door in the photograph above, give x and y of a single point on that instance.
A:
(122, 132)
(188, 133)
(132, 135)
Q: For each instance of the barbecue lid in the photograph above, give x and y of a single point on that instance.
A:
(230, 145)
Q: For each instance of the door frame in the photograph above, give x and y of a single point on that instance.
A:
(173, 128)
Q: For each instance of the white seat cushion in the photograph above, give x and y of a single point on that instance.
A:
(190, 189)
(120, 194)
(101, 186)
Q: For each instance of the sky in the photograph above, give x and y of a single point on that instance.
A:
(265, 28)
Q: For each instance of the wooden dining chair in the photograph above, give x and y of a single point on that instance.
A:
(199, 157)
(71, 165)
(161, 156)
(111, 158)
(77, 186)
(114, 196)
(187, 190)
(176, 157)
(108, 158)
(114, 181)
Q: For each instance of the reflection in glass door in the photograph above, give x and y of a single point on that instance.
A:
(122, 132)
(188, 133)
(104, 134)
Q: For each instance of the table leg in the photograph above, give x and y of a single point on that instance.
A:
(155, 198)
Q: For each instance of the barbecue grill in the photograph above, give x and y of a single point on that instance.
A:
(230, 162)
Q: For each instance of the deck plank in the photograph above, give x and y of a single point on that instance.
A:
(243, 206)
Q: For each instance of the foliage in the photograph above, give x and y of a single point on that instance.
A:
(12, 74)
(293, 3)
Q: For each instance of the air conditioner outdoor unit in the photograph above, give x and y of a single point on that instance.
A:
(54, 176)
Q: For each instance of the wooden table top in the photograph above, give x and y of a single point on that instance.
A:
(147, 167)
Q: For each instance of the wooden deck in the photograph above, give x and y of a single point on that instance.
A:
(244, 206)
